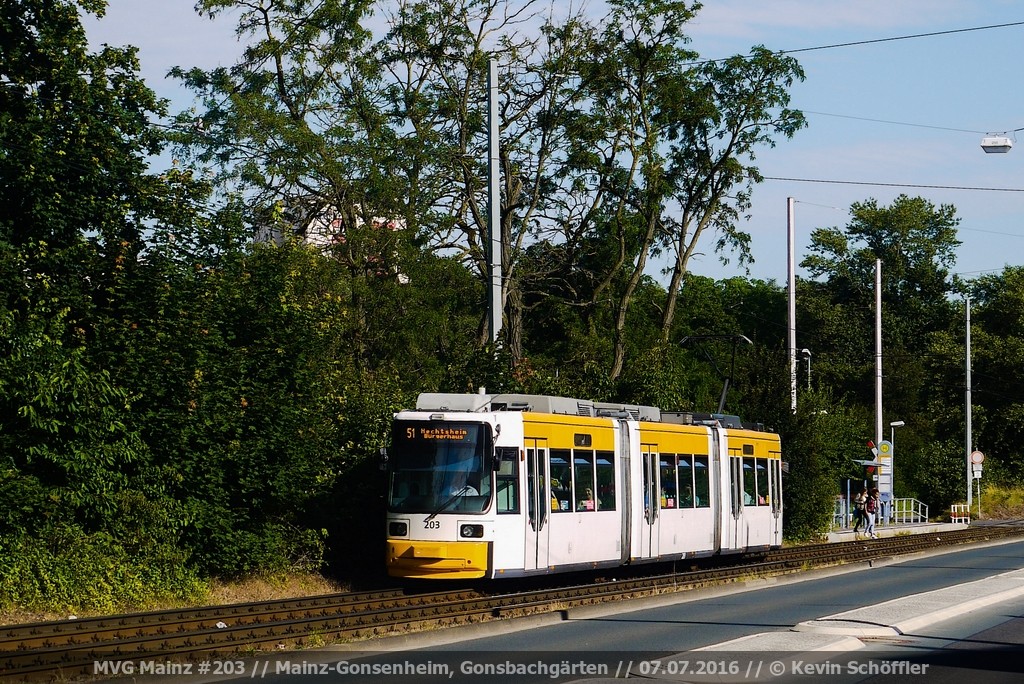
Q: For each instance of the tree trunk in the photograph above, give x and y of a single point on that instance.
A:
(619, 360)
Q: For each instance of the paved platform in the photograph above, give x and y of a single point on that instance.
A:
(840, 535)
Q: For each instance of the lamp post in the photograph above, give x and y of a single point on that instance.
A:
(806, 353)
(892, 457)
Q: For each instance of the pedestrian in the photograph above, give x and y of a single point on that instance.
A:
(871, 510)
(858, 510)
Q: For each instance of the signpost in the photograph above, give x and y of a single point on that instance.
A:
(977, 458)
(885, 483)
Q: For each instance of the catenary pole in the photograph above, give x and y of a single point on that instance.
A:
(494, 203)
(791, 279)
(878, 351)
(968, 439)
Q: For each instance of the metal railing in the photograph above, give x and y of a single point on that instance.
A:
(960, 513)
(908, 512)
(841, 516)
(900, 512)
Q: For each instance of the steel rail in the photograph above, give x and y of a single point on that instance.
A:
(40, 651)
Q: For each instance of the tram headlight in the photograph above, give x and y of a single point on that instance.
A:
(471, 531)
(398, 529)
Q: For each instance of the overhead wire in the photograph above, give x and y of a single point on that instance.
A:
(893, 185)
(989, 388)
(896, 123)
(873, 40)
(906, 37)
(901, 123)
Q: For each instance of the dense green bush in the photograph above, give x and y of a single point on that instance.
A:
(66, 569)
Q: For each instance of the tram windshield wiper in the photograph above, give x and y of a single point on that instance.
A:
(454, 497)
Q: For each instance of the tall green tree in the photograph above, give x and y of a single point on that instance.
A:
(659, 145)
(389, 126)
(915, 242)
(606, 129)
(75, 130)
(997, 346)
(741, 107)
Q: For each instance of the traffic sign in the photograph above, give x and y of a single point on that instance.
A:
(977, 457)
(885, 448)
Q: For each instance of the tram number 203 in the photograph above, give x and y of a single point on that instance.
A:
(431, 524)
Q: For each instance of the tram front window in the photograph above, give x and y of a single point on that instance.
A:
(439, 466)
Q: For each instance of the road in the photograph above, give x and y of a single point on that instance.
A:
(658, 639)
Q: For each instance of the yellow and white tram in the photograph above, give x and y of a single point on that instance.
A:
(511, 485)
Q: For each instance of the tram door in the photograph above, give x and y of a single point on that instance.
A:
(775, 469)
(651, 498)
(538, 505)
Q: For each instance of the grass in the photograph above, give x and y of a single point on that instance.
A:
(269, 588)
(262, 588)
(1000, 503)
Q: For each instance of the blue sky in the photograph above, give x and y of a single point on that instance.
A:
(953, 88)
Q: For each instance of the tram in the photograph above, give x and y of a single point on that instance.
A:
(486, 486)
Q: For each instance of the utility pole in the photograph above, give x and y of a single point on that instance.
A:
(791, 241)
(967, 397)
(878, 352)
(494, 202)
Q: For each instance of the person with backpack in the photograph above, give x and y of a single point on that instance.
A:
(858, 510)
(871, 510)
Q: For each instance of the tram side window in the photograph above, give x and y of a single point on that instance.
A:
(507, 498)
(561, 480)
(763, 495)
(606, 480)
(701, 482)
(669, 490)
(685, 481)
(749, 482)
(583, 464)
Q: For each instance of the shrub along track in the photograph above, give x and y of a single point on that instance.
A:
(69, 648)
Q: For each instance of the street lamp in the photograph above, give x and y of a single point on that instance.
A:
(892, 454)
(892, 467)
(998, 144)
(806, 353)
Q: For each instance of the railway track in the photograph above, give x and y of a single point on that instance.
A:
(68, 649)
